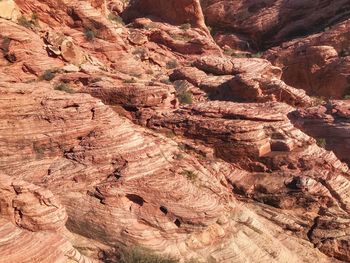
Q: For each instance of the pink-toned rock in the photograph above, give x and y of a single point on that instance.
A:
(272, 22)
(179, 11)
(253, 80)
(319, 63)
(32, 225)
(329, 123)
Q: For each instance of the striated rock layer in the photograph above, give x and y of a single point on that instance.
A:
(162, 199)
(272, 22)
(319, 63)
(329, 123)
(232, 178)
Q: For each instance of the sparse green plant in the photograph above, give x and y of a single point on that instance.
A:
(228, 51)
(61, 86)
(116, 18)
(171, 64)
(178, 156)
(346, 95)
(179, 37)
(140, 51)
(90, 33)
(321, 142)
(210, 29)
(185, 97)
(23, 21)
(183, 147)
(39, 150)
(190, 175)
(137, 255)
(239, 55)
(149, 72)
(28, 23)
(317, 101)
(256, 55)
(94, 80)
(132, 80)
(35, 19)
(185, 26)
(48, 75)
(150, 26)
(344, 52)
(180, 85)
(170, 134)
(165, 81)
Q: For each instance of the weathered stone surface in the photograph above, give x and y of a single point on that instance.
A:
(32, 225)
(179, 11)
(272, 22)
(9, 10)
(329, 123)
(253, 80)
(226, 182)
(319, 63)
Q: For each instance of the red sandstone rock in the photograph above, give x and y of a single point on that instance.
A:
(254, 80)
(179, 11)
(271, 22)
(330, 124)
(319, 63)
(234, 182)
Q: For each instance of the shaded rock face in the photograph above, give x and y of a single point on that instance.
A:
(330, 124)
(240, 79)
(179, 11)
(151, 135)
(268, 23)
(319, 64)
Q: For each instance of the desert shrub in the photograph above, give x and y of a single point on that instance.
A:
(185, 26)
(116, 18)
(34, 19)
(190, 175)
(150, 26)
(132, 80)
(180, 85)
(48, 75)
(317, 101)
(185, 97)
(61, 86)
(256, 55)
(90, 33)
(149, 72)
(171, 64)
(344, 52)
(23, 21)
(183, 38)
(321, 142)
(138, 255)
(140, 51)
(165, 81)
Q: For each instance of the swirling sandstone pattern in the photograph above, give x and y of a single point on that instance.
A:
(149, 134)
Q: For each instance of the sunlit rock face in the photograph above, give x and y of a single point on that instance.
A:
(134, 124)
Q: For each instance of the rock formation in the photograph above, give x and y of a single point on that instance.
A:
(330, 124)
(318, 63)
(272, 22)
(126, 125)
